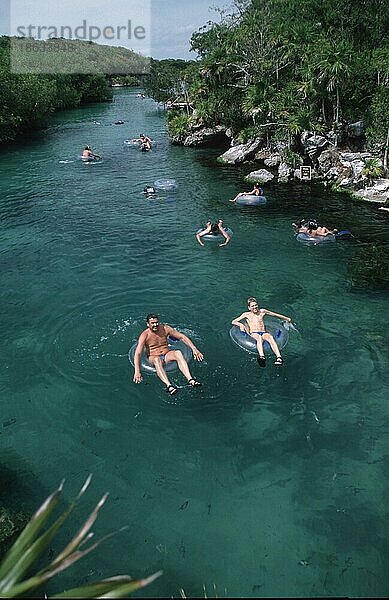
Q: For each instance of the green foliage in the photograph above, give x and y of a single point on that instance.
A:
(247, 134)
(291, 158)
(178, 125)
(372, 169)
(27, 100)
(15, 570)
(288, 64)
(378, 119)
(126, 80)
(166, 79)
(370, 268)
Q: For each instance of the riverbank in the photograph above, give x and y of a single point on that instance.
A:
(345, 165)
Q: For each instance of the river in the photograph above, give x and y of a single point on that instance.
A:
(263, 482)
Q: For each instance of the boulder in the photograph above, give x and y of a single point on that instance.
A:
(379, 192)
(241, 152)
(263, 154)
(262, 176)
(327, 160)
(313, 142)
(284, 171)
(350, 156)
(208, 136)
(272, 161)
(356, 130)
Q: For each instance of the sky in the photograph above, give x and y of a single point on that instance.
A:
(174, 21)
(157, 28)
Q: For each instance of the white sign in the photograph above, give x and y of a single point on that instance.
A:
(306, 173)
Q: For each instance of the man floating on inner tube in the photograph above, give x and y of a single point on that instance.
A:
(256, 328)
(256, 191)
(213, 229)
(154, 339)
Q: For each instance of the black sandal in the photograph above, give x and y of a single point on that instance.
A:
(195, 382)
(279, 361)
(261, 361)
(171, 389)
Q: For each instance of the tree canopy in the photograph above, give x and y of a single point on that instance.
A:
(289, 65)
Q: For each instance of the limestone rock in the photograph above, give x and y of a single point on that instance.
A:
(239, 153)
(207, 136)
(355, 130)
(262, 175)
(272, 161)
(284, 171)
(379, 192)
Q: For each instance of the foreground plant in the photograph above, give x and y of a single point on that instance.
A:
(34, 540)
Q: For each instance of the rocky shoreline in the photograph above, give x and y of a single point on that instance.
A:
(339, 160)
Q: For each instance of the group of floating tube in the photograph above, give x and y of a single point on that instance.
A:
(278, 329)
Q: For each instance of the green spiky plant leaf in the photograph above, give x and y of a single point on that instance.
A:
(17, 576)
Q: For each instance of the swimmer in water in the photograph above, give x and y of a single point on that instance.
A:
(213, 229)
(256, 191)
(154, 339)
(87, 154)
(145, 142)
(149, 191)
(256, 328)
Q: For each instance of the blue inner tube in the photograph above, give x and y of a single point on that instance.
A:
(314, 240)
(251, 200)
(147, 367)
(166, 184)
(210, 237)
(87, 159)
(132, 143)
(248, 343)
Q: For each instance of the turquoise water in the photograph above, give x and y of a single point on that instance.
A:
(264, 482)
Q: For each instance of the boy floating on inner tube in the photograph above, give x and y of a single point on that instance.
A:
(256, 191)
(213, 229)
(256, 328)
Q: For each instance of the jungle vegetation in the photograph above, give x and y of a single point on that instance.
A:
(278, 67)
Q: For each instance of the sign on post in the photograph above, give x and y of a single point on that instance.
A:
(306, 173)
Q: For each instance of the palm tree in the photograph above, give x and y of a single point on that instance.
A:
(333, 68)
(372, 169)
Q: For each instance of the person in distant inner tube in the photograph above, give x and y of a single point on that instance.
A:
(149, 191)
(154, 339)
(256, 191)
(88, 154)
(312, 228)
(256, 328)
(213, 229)
(145, 142)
